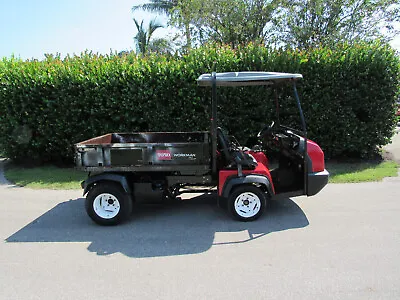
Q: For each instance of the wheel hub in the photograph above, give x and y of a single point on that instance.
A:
(247, 204)
(106, 206)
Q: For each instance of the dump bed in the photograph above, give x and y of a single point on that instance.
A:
(185, 152)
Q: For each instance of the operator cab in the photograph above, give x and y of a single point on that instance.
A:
(281, 150)
(287, 170)
(291, 163)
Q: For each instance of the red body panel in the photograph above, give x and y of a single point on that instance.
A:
(261, 169)
(316, 155)
(260, 157)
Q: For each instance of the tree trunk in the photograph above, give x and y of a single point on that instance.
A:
(188, 36)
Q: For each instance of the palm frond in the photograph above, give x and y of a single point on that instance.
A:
(157, 6)
(143, 36)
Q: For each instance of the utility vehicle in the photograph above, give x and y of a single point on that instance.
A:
(146, 166)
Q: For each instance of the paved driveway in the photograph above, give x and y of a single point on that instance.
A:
(393, 149)
(341, 244)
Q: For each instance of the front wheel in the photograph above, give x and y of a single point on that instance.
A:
(247, 203)
(108, 204)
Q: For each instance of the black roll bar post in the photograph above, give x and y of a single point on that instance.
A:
(303, 121)
(214, 124)
(303, 124)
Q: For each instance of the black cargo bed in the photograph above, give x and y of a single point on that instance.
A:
(185, 152)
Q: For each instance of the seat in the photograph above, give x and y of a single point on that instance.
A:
(233, 157)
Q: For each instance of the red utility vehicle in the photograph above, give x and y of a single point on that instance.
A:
(155, 166)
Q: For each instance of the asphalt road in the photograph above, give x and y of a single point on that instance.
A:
(341, 244)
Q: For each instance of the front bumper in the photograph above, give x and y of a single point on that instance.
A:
(316, 182)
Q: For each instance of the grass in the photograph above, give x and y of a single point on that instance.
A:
(361, 172)
(51, 177)
(48, 177)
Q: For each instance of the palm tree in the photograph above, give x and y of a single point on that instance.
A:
(158, 6)
(143, 36)
(165, 7)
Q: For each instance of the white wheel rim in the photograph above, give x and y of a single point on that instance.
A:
(106, 206)
(247, 204)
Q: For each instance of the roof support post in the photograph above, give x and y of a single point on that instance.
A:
(303, 124)
(214, 104)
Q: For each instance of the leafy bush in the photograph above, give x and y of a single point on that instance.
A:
(347, 94)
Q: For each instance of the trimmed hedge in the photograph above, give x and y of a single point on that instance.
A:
(347, 94)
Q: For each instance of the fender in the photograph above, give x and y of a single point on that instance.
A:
(247, 179)
(121, 179)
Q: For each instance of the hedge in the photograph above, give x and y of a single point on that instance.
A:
(347, 94)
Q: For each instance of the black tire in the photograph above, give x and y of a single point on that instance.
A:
(109, 192)
(256, 203)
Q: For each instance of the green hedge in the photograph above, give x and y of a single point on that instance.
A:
(347, 94)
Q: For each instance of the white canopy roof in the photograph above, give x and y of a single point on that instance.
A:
(247, 78)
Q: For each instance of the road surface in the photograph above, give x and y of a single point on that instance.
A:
(343, 243)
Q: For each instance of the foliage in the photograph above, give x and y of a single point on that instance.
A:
(158, 6)
(161, 46)
(294, 23)
(169, 8)
(348, 97)
(309, 23)
(143, 37)
(223, 21)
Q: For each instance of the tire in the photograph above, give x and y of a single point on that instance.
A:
(247, 203)
(108, 204)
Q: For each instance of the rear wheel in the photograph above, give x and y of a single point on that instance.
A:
(108, 204)
(247, 203)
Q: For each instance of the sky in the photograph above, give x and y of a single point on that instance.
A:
(31, 28)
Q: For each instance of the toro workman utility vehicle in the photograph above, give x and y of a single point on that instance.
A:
(140, 167)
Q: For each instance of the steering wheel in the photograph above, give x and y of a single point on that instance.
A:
(266, 131)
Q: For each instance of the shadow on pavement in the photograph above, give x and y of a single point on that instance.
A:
(193, 226)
